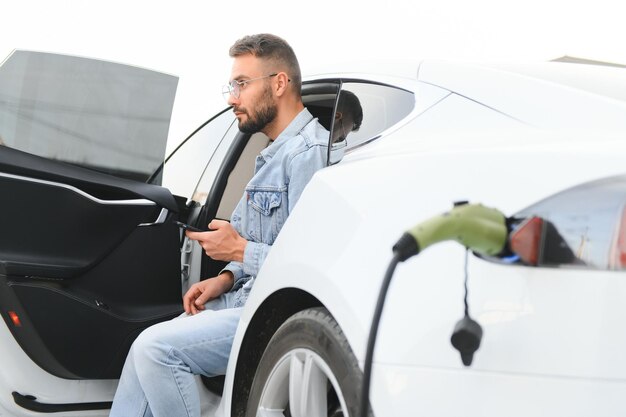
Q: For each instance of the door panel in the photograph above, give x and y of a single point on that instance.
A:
(59, 232)
(87, 261)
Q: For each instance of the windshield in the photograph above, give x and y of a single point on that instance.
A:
(100, 115)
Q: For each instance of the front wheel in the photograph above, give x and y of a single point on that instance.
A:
(307, 370)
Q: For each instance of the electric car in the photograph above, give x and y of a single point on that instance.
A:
(90, 254)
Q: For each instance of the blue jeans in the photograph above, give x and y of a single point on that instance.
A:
(158, 376)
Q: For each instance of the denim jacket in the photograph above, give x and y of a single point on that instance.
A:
(281, 172)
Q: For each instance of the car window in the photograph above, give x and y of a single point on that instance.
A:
(100, 115)
(185, 166)
(210, 173)
(584, 226)
(363, 112)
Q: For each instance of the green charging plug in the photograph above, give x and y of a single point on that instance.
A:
(478, 228)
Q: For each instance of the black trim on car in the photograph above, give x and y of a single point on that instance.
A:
(100, 185)
(30, 403)
(210, 267)
(315, 87)
(342, 80)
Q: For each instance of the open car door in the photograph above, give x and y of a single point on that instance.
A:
(89, 256)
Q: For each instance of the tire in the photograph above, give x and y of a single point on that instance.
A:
(309, 356)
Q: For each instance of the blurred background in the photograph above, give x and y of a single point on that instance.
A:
(190, 38)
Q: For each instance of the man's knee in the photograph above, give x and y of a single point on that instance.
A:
(151, 348)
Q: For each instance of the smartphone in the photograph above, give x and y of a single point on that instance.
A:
(185, 226)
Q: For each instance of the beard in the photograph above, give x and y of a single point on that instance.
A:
(264, 114)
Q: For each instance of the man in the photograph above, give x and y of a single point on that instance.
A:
(348, 116)
(264, 91)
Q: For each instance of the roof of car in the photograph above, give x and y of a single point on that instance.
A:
(599, 79)
(544, 94)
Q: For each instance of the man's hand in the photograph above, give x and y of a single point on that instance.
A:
(223, 243)
(203, 291)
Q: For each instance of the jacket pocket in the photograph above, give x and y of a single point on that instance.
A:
(264, 201)
(269, 216)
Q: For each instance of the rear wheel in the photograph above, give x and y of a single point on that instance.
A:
(307, 370)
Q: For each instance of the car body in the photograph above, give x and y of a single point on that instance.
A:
(525, 139)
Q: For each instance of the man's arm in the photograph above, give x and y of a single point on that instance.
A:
(222, 242)
(203, 291)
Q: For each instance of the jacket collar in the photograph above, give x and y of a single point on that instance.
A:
(293, 129)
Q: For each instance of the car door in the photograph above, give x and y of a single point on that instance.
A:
(89, 255)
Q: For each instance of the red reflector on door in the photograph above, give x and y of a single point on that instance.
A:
(526, 240)
(15, 319)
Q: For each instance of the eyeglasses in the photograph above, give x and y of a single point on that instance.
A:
(234, 87)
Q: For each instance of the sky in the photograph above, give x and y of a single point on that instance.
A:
(190, 38)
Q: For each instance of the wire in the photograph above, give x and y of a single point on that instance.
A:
(371, 341)
(466, 275)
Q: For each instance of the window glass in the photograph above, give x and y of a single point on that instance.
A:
(210, 173)
(183, 169)
(585, 225)
(104, 116)
(363, 112)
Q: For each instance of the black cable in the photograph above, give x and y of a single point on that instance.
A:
(466, 275)
(371, 341)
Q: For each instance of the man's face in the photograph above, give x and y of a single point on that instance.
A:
(255, 108)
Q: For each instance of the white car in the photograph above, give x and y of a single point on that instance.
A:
(88, 259)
